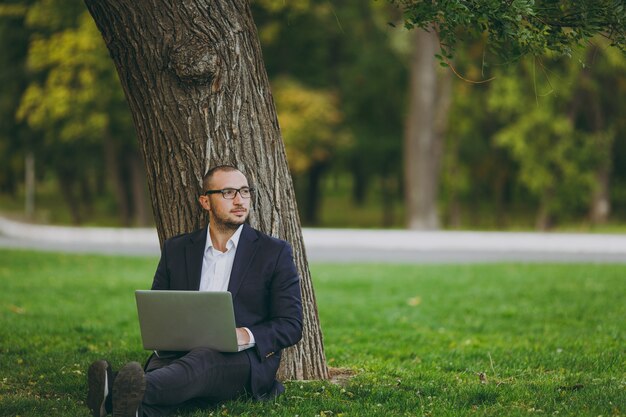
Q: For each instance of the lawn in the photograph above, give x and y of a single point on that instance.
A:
(503, 339)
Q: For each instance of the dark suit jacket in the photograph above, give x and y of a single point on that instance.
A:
(265, 286)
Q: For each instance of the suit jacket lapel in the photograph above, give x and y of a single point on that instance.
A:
(246, 250)
(194, 254)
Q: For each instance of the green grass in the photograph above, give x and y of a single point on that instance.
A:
(551, 339)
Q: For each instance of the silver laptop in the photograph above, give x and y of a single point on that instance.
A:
(183, 320)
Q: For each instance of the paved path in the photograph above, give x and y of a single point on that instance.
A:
(345, 245)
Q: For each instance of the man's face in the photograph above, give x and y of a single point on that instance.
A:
(224, 213)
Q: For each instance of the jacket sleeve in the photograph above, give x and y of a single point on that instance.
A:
(283, 326)
(161, 279)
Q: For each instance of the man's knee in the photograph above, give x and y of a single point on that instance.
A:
(205, 353)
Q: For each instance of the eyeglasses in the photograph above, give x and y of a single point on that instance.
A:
(230, 193)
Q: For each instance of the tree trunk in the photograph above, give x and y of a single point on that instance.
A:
(586, 104)
(86, 194)
(29, 185)
(454, 217)
(544, 219)
(423, 141)
(499, 189)
(601, 195)
(600, 208)
(67, 181)
(313, 201)
(199, 95)
(141, 213)
(359, 183)
(112, 159)
(600, 198)
(387, 195)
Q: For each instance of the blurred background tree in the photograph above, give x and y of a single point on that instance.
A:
(541, 145)
(311, 124)
(567, 163)
(14, 135)
(544, 137)
(80, 129)
(346, 48)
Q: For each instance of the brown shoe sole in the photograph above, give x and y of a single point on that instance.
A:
(128, 389)
(97, 380)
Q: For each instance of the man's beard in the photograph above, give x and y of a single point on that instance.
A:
(227, 225)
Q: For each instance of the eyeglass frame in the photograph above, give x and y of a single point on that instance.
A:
(236, 190)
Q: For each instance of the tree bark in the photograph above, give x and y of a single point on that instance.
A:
(199, 95)
(114, 164)
(141, 213)
(29, 185)
(423, 142)
(313, 195)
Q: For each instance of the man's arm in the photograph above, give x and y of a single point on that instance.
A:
(161, 276)
(283, 326)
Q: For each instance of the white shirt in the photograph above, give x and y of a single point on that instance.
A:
(217, 266)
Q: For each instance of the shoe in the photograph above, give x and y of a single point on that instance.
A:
(128, 389)
(99, 379)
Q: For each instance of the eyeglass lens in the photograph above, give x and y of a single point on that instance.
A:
(230, 193)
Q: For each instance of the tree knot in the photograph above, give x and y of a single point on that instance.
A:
(195, 61)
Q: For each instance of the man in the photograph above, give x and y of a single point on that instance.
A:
(259, 272)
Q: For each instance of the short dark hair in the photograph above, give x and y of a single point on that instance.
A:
(220, 168)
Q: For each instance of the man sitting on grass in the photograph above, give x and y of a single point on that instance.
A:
(227, 255)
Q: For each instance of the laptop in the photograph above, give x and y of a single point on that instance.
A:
(184, 320)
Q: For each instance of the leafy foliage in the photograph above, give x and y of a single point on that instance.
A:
(13, 78)
(70, 102)
(310, 123)
(558, 152)
(340, 71)
(538, 134)
(346, 49)
(515, 28)
(80, 94)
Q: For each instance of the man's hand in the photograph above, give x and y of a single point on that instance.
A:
(243, 338)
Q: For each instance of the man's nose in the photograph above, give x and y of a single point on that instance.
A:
(238, 199)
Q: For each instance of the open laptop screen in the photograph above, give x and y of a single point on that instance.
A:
(184, 320)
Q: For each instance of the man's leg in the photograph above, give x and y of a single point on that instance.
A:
(100, 381)
(202, 373)
(128, 388)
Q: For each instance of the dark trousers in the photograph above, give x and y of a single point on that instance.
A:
(198, 378)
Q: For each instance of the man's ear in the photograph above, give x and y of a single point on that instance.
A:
(204, 202)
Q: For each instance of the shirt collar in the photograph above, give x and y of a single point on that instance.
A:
(232, 242)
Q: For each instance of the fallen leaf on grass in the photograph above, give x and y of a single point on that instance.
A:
(414, 301)
(482, 377)
(17, 310)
